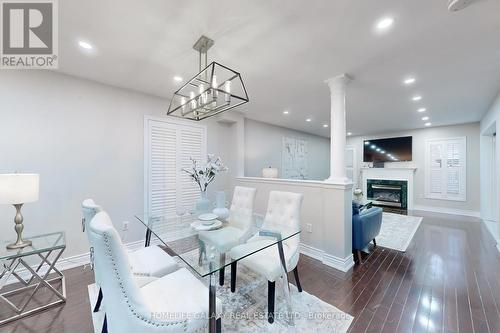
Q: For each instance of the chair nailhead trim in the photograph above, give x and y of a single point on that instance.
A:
(134, 312)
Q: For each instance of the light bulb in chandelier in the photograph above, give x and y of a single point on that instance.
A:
(183, 103)
(227, 89)
(203, 94)
(215, 92)
(193, 100)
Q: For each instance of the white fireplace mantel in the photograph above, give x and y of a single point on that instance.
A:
(401, 173)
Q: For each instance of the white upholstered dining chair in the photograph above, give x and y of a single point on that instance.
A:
(177, 302)
(283, 208)
(239, 224)
(147, 263)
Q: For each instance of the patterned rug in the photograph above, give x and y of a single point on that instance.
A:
(397, 231)
(245, 310)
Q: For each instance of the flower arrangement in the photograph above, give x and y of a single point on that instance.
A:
(204, 175)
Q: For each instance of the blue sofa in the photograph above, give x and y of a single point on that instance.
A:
(365, 227)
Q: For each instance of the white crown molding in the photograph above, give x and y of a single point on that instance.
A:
(296, 182)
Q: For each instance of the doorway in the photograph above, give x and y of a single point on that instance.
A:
(490, 211)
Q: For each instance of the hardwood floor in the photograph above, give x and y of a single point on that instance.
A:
(447, 281)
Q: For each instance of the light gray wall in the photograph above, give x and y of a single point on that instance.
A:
(263, 146)
(85, 139)
(471, 131)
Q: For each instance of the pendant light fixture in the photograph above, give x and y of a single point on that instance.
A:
(215, 89)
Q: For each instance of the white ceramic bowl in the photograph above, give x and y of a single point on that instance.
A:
(208, 222)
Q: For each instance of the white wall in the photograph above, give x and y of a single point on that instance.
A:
(85, 139)
(471, 131)
(263, 147)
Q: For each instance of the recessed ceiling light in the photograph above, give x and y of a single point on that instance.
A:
(308, 120)
(384, 23)
(85, 45)
(422, 110)
(416, 98)
(409, 80)
(428, 124)
(425, 118)
(286, 112)
(178, 78)
(349, 133)
(325, 125)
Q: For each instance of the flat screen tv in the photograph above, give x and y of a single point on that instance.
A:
(388, 150)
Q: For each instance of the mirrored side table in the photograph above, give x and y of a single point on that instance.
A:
(29, 280)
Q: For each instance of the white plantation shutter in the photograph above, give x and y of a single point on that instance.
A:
(192, 141)
(436, 168)
(445, 172)
(169, 145)
(163, 168)
(351, 167)
(453, 163)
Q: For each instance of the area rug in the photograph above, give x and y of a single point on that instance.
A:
(245, 310)
(397, 231)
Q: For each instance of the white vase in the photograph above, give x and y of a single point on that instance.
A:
(221, 205)
(203, 204)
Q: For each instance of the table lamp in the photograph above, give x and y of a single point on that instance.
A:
(17, 189)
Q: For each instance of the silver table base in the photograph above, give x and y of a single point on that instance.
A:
(16, 267)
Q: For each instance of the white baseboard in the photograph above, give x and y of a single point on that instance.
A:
(444, 210)
(342, 264)
(73, 261)
(311, 252)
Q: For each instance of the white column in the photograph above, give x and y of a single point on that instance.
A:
(338, 133)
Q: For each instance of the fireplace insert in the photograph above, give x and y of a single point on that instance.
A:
(390, 193)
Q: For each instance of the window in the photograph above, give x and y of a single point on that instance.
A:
(445, 169)
(169, 145)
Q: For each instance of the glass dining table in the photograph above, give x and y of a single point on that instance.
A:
(181, 236)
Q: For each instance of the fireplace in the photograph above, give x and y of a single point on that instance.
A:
(388, 193)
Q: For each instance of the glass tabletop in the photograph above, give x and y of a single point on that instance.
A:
(40, 243)
(200, 250)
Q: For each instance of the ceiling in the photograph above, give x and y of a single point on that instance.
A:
(286, 49)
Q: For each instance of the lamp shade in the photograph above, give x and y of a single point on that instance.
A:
(19, 188)
(270, 173)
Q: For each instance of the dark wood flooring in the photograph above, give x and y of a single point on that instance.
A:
(447, 281)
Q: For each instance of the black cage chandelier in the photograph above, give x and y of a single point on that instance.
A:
(215, 89)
